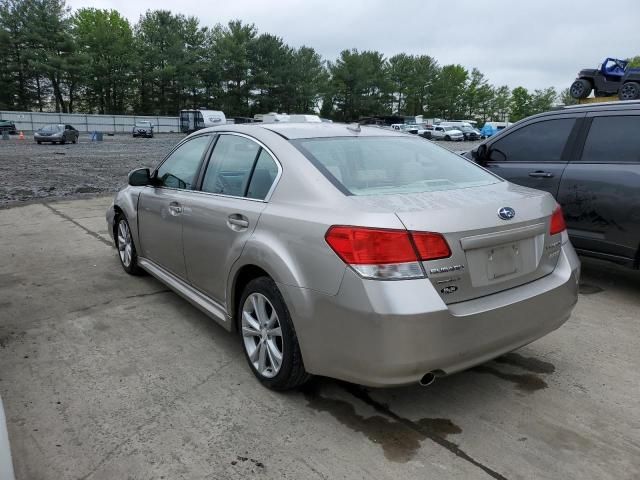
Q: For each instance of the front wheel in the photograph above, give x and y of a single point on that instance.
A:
(126, 248)
(629, 91)
(447, 138)
(268, 338)
(581, 88)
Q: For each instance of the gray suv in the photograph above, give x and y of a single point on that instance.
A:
(588, 158)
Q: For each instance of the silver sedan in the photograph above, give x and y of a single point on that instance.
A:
(352, 252)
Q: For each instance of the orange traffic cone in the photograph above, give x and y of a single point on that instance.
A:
(21, 136)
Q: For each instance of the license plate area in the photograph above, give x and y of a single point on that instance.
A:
(502, 260)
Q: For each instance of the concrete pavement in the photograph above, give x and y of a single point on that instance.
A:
(107, 376)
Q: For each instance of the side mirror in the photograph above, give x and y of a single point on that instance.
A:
(479, 155)
(140, 177)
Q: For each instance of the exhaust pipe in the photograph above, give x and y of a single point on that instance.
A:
(427, 379)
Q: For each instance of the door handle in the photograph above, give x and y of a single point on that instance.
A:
(238, 222)
(175, 208)
(540, 174)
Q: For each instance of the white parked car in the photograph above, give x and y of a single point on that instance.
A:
(440, 132)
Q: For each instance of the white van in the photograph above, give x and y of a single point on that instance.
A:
(192, 120)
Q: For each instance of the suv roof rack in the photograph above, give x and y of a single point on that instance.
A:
(618, 103)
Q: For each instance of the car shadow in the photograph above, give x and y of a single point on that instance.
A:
(599, 275)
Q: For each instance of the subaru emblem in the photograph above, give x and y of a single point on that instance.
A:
(506, 213)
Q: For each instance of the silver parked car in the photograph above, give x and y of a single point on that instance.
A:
(356, 253)
(56, 134)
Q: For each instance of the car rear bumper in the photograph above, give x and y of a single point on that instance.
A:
(47, 138)
(390, 333)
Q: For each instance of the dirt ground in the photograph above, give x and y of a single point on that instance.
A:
(33, 172)
(36, 172)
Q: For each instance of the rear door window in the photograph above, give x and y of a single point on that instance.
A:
(231, 166)
(538, 142)
(613, 139)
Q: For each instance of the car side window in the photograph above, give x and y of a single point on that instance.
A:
(230, 167)
(538, 142)
(612, 140)
(180, 169)
(264, 174)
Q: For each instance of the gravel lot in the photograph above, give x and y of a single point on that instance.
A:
(31, 171)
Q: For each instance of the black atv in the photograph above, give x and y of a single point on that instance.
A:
(612, 77)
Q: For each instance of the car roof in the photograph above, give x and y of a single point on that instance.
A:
(293, 131)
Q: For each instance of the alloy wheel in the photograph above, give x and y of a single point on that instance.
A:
(628, 92)
(262, 335)
(125, 244)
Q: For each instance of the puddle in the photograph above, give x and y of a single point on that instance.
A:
(589, 289)
(527, 363)
(527, 382)
(399, 442)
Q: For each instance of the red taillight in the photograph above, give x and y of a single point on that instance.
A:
(557, 222)
(370, 246)
(430, 246)
(386, 253)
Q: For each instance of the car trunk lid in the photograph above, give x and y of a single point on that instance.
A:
(488, 254)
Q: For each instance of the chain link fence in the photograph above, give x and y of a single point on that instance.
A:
(32, 121)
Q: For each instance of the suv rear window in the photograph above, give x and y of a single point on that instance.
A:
(387, 165)
(613, 140)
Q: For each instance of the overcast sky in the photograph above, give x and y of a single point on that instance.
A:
(534, 44)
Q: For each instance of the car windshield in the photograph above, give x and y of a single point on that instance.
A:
(52, 128)
(387, 165)
(143, 124)
(450, 128)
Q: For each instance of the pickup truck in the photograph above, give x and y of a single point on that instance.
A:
(438, 132)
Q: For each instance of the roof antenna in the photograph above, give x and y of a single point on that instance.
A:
(354, 127)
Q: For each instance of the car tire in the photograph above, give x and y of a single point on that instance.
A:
(629, 91)
(447, 138)
(259, 302)
(62, 142)
(39, 142)
(75, 140)
(581, 88)
(126, 248)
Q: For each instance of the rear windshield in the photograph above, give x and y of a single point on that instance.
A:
(387, 165)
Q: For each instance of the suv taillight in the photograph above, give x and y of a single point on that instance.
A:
(557, 222)
(386, 253)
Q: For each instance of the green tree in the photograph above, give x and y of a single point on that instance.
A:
(168, 70)
(634, 62)
(566, 98)
(233, 47)
(360, 85)
(105, 48)
(543, 100)
(270, 67)
(309, 79)
(477, 94)
(420, 84)
(520, 104)
(448, 92)
(399, 71)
